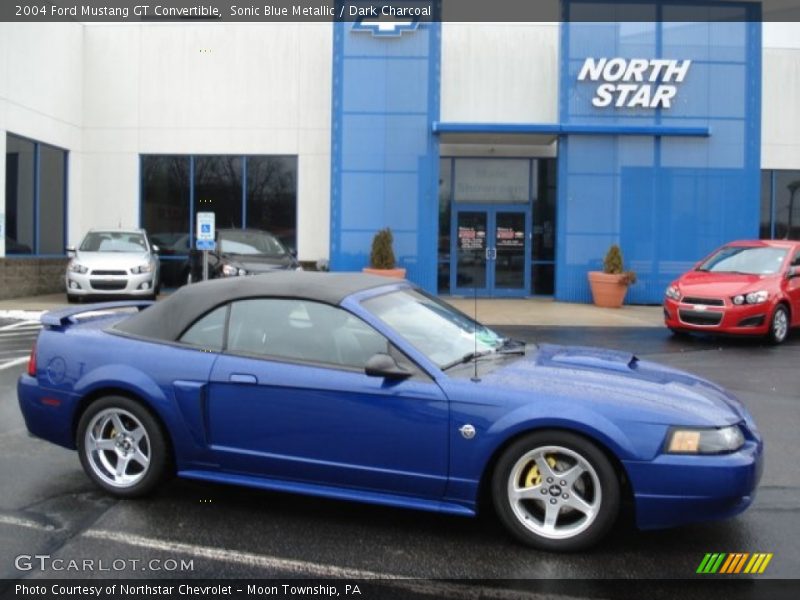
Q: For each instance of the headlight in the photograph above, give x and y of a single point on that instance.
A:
(705, 441)
(77, 268)
(673, 293)
(738, 300)
(757, 297)
(231, 271)
(142, 269)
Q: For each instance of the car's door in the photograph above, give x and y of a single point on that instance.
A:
(289, 399)
(793, 288)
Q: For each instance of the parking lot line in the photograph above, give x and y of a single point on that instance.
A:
(13, 362)
(7, 520)
(21, 325)
(306, 568)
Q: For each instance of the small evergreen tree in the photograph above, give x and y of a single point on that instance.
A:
(382, 254)
(613, 265)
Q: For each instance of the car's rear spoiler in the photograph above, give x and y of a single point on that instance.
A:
(64, 316)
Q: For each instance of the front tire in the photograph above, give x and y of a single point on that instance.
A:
(556, 491)
(779, 325)
(122, 447)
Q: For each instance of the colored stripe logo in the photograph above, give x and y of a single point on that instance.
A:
(734, 563)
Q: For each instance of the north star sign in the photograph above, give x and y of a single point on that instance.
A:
(634, 82)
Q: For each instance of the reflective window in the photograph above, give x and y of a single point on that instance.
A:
(218, 189)
(208, 332)
(302, 331)
(32, 202)
(492, 180)
(19, 195)
(445, 204)
(780, 205)
(250, 243)
(165, 202)
(271, 194)
(52, 192)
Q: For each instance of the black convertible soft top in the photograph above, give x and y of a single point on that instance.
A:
(168, 319)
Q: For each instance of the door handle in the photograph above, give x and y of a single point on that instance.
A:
(242, 378)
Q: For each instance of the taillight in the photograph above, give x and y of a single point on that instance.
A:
(32, 362)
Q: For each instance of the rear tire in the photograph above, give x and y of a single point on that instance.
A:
(556, 491)
(778, 325)
(122, 447)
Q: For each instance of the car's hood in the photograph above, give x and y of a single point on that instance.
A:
(259, 264)
(112, 260)
(720, 285)
(647, 391)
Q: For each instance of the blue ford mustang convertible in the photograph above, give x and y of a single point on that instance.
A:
(361, 388)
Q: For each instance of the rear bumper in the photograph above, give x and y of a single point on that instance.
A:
(47, 414)
(747, 319)
(674, 490)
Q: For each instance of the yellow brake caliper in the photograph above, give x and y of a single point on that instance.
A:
(533, 477)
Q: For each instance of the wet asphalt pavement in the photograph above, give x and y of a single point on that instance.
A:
(48, 506)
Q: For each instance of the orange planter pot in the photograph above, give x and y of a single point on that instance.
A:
(608, 290)
(396, 273)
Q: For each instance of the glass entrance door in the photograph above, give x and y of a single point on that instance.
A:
(491, 256)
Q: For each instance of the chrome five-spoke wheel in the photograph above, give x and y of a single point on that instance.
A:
(118, 447)
(556, 490)
(121, 446)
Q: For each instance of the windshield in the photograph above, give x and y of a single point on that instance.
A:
(442, 333)
(750, 260)
(251, 243)
(113, 241)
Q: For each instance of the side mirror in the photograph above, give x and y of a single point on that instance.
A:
(155, 249)
(384, 365)
(70, 249)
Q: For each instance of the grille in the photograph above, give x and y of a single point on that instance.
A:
(706, 301)
(700, 317)
(109, 273)
(109, 285)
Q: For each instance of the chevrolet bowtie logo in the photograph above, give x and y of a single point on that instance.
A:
(386, 26)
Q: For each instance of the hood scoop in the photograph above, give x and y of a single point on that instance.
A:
(595, 358)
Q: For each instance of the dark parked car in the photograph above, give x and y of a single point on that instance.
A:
(242, 252)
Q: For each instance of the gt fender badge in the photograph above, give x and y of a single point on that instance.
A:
(468, 431)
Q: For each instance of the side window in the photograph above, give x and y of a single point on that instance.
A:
(208, 332)
(303, 331)
(796, 259)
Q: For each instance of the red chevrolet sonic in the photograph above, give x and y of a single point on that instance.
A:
(744, 288)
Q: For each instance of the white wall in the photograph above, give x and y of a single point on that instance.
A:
(500, 72)
(780, 112)
(206, 89)
(41, 89)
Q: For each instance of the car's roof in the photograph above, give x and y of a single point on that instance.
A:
(168, 319)
(774, 243)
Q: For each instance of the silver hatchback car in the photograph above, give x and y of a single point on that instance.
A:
(113, 262)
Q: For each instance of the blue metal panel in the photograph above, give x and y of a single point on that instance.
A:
(384, 156)
(650, 179)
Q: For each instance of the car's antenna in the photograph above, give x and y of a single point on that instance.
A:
(475, 378)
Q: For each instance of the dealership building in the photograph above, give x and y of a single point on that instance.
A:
(505, 157)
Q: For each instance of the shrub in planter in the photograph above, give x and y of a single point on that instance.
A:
(381, 256)
(610, 285)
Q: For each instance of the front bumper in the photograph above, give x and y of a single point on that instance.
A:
(90, 284)
(679, 489)
(746, 319)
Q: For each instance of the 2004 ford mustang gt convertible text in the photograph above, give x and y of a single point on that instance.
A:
(360, 388)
